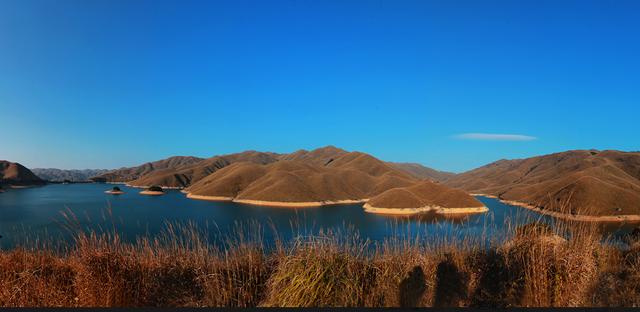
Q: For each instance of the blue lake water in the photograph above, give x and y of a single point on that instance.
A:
(37, 213)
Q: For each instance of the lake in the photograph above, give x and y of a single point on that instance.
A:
(27, 214)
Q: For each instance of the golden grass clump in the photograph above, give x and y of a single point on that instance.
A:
(320, 272)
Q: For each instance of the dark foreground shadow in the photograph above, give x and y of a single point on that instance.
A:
(451, 284)
(412, 288)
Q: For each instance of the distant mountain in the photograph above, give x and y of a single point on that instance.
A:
(132, 173)
(421, 172)
(15, 174)
(187, 174)
(578, 182)
(184, 175)
(73, 175)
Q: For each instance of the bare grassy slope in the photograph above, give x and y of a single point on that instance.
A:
(132, 173)
(172, 173)
(575, 182)
(423, 194)
(320, 156)
(285, 181)
(352, 176)
(186, 175)
(422, 172)
(16, 174)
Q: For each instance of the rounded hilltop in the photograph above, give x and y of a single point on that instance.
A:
(115, 191)
(153, 190)
(422, 197)
(329, 176)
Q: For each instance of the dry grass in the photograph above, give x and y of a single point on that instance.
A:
(537, 266)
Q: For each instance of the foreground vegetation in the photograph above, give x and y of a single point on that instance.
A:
(536, 266)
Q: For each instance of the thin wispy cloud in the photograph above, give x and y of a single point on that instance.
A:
(494, 137)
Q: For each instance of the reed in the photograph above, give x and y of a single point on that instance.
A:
(534, 266)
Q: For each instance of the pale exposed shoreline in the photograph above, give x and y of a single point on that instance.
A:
(483, 195)
(570, 217)
(114, 192)
(152, 193)
(277, 203)
(148, 186)
(426, 209)
(22, 186)
(566, 216)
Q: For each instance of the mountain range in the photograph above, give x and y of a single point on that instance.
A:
(181, 171)
(572, 183)
(73, 175)
(321, 176)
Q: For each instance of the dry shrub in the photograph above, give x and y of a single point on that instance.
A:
(320, 273)
(109, 279)
(618, 284)
(542, 269)
(35, 279)
(237, 278)
(410, 273)
(402, 279)
(172, 284)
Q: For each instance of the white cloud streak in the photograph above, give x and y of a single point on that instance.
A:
(494, 137)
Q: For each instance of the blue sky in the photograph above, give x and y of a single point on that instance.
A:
(449, 84)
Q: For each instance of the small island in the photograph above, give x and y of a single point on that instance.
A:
(153, 191)
(115, 191)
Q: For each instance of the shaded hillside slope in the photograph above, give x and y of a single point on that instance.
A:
(320, 156)
(579, 182)
(132, 173)
(422, 172)
(74, 175)
(186, 175)
(18, 175)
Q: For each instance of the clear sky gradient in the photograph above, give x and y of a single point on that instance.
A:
(449, 84)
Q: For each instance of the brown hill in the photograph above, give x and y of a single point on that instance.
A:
(351, 176)
(16, 174)
(579, 182)
(421, 172)
(424, 194)
(132, 173)
(186, 175)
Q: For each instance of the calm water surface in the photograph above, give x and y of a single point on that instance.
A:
(37, 213)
